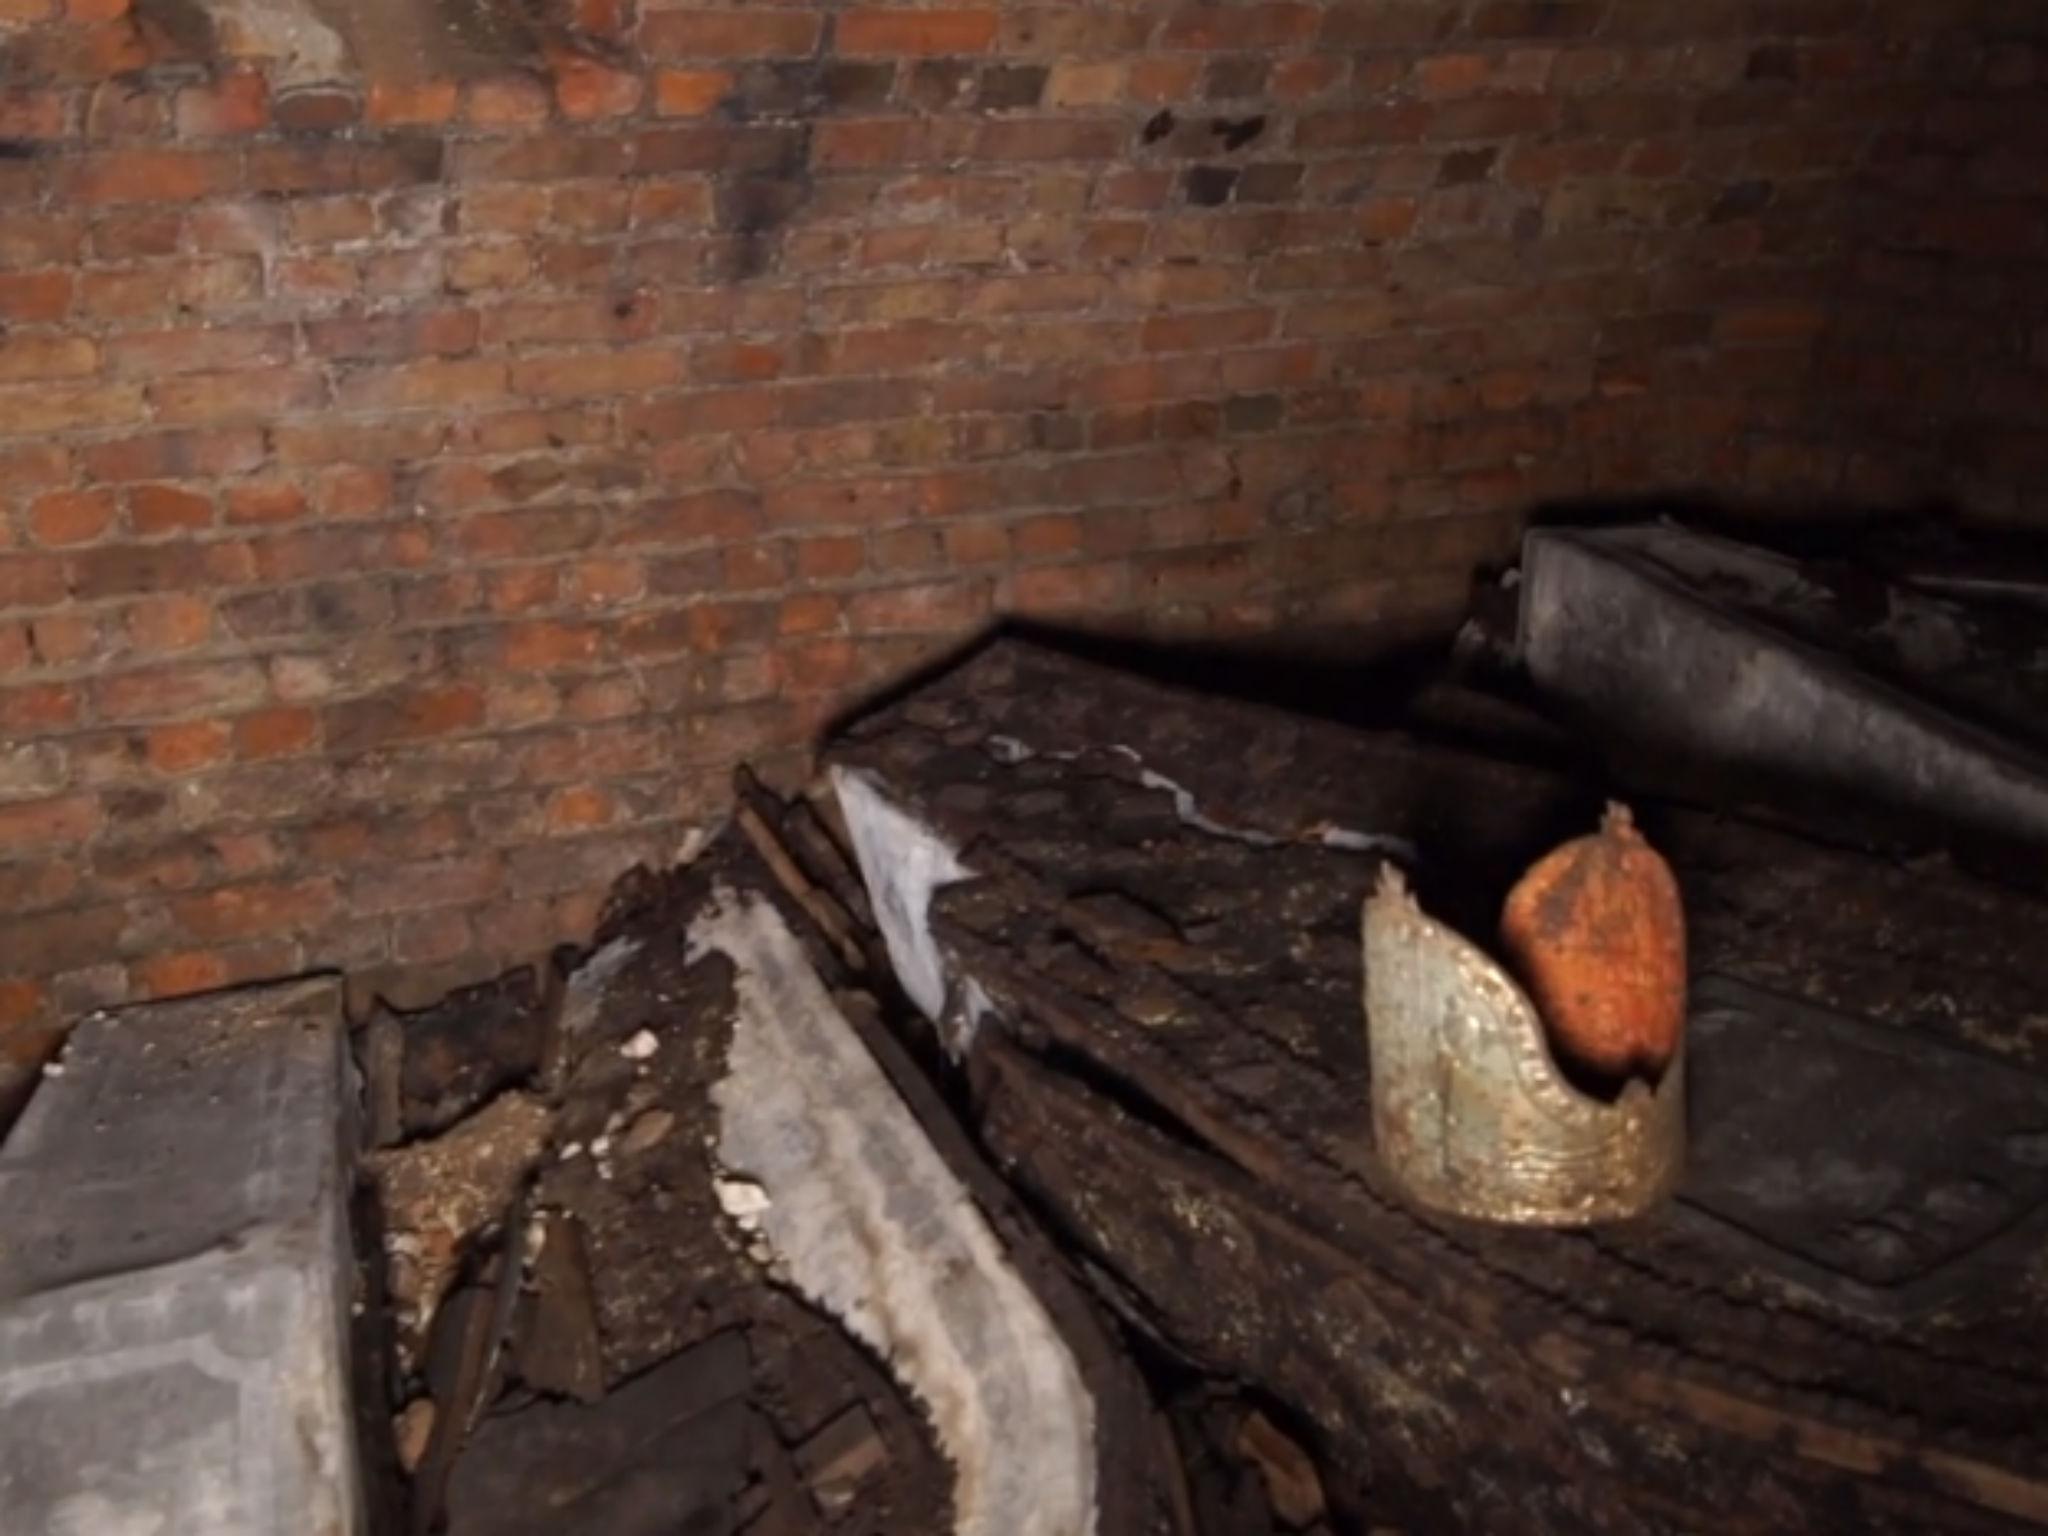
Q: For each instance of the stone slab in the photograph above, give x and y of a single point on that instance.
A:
(175, 1279)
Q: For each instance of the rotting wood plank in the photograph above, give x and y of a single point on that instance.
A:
(1161, 944)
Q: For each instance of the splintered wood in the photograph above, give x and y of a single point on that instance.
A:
(1148, 955)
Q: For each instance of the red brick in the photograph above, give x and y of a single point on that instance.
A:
(1393, 124)
(36, 408)
(59, 822)
(934, 608)
(1201, 332)
(364, 724)
(158, 509)
(587, 91)
(147, 176)
(47, 706)
(61, 640)
(1770, 324)
(1387, 218)
(819, 667)
(579, 808)
(36, 240)
(29, 297)
(1491, 117)
(71, 517)
(357, 443)
(513, 102)
(119, 234)
(254, 910)
(604, 583)
(31, 581)
(154, 354)
(390, 338)
(350, 494)
(613, 372)
(182, 972)
(268, 501)
(447, 882)
(430, 382)
(1036, 139)
(186, 748)
(426, 104)
(192, 688)
(429, 937)
(20, 1001)
(1071, 588)
(809, 613)
(977, 543)
(280, 732)
(893, 33)
(258, 393)
(1241, 27)
(234, 104)
(829, 559)
(690, 92)
(541, 647)
(750, 33)
(1453, 74)
(34, 114)
(168, 624)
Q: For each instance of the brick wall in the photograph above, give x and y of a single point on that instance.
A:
(1935, 359)
(417, 487)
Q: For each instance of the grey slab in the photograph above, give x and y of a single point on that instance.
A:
(1675, 640)
(174, 1279)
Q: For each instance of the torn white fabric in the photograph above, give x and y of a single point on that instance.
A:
(858, 1209)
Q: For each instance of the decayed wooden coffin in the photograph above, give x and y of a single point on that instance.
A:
(1133, 913)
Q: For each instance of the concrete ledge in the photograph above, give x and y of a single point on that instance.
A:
(174, 1283)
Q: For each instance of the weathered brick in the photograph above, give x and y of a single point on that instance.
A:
(252, 393)
(168, 692)
(1258, 25)
(231, 105)
(426, 884)
(566, 375)
(37, 408)
(147, 176)
(278, 732)
(71, 517)
(29, 297)
(390, 104)
(58, 822)
(754, 33)
(587, 91)
(186, 747)
(425, 383)
(893, 33)
(237, 912)
(514, 101)
(166, 625)
(160, 509)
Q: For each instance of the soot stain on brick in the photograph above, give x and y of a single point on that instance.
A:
(1209, 186)
(1238, 132)
(1158, 125)
(184, 24)
(754, 205)
(753, 202)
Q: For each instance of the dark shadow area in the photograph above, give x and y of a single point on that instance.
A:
(1863, 576)
(1356, 677)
